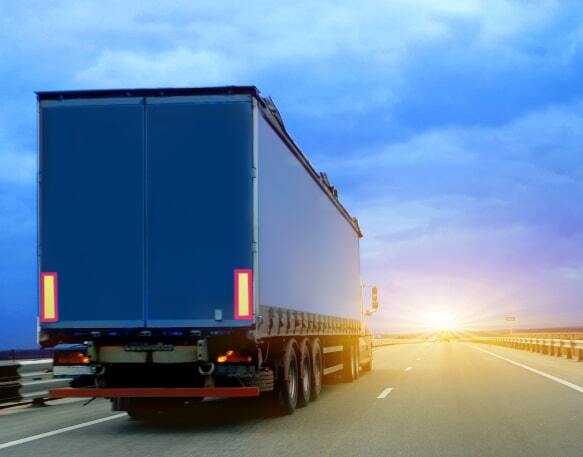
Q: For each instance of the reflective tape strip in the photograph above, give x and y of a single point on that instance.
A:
(243, 294)
(152, 392)
(49, 297)
(329, 349)
(333, 369)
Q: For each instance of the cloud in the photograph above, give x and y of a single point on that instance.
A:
(451, 128)
(17, 167)
(383, 49)
(178, 67)
(540, 149)
(477, 217)
(574, 273)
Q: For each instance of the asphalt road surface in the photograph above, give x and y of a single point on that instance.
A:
(428, 399)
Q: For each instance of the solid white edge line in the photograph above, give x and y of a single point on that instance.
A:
(385, 392)
(534, 370)
(330, 349)
(408, 368)
(59, 431)
(333, 369)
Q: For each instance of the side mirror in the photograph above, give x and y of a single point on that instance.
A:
(375, 299)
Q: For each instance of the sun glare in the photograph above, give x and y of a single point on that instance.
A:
(441, 320)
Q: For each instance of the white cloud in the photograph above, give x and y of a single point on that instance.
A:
(543, 143)
(446, 205)
(480, 217)
(435, 146)
(17, 167)
(574, 273)
(179, 67)
(185, 42)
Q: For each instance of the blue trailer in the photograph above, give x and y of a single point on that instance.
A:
(192, 249)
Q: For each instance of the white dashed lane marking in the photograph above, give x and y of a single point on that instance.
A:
(60, 430)
(385, 392)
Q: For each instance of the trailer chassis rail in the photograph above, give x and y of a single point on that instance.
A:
(154, 392)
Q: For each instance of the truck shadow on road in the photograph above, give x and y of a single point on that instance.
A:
(213, 414)
(218, 413)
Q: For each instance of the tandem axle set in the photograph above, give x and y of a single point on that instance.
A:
(136, 377)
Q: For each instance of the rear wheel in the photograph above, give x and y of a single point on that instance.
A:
(141, 414)
(305, 385)
(141, 409)
(317, 369)
(348, 363)
(287, 384)
(356, 361)
(368, 365)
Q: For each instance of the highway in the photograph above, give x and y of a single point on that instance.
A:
(425, 399)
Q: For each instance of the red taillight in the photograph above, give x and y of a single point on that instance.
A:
(232, 356)
(70, 358)
(49, 304)
(243, 294)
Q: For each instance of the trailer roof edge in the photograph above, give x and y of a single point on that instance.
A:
(145, 92)
(252, 91)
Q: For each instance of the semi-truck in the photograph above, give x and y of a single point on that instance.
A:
(188, 249)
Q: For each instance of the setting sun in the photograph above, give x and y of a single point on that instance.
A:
(442, 320)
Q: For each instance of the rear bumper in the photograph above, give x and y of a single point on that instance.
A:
(103, 333)
(157, 392)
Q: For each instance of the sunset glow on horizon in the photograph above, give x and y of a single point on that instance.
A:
(451, 130)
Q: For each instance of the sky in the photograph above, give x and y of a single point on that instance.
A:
(452, 129)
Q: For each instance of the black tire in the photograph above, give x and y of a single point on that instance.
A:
(366, 367)
(288, 382)
(356, 360)
(139, 414)
(305, 378)
(317, 369)
(348, 363)
(140, 409)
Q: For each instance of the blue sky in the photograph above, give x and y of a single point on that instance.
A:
(453, 130)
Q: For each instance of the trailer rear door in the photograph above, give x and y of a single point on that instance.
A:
(199, 208)
(91, 210)
(146, 211)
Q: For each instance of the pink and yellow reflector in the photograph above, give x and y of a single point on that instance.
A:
(243, 294)
(49, 303)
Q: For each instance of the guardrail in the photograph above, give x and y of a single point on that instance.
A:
(27, 381)
(570, 349)
(388, 341)
(25, 354)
